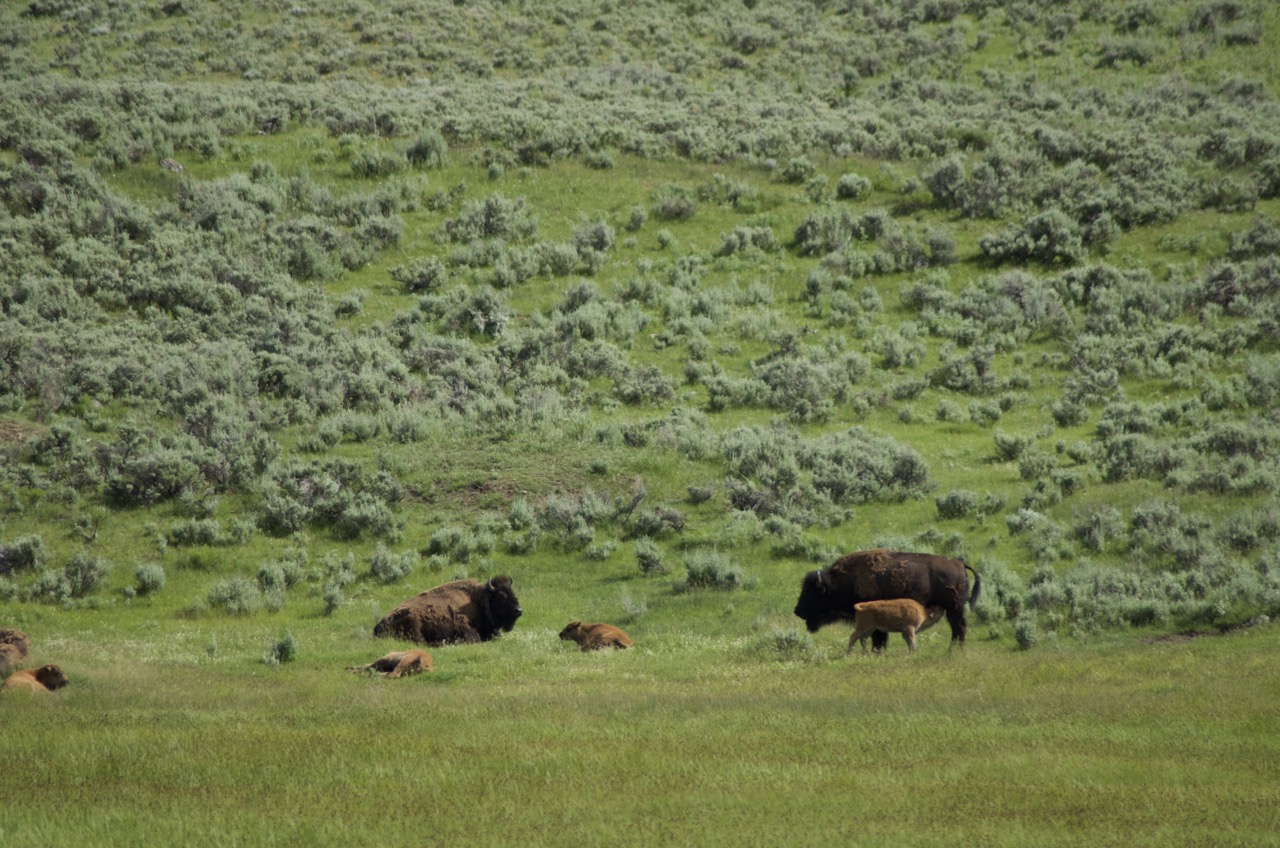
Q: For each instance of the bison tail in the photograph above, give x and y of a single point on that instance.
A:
(977, 587)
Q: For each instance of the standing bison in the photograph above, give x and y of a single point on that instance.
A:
(828, 595)
(461, 611)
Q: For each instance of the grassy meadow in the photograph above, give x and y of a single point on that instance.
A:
(654, 307)
(679, 741)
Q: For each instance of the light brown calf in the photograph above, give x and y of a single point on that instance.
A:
(46, 678)
(594, 636)
(900, 615)
(398, 664)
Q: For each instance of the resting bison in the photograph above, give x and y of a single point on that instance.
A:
(10, 658)
(17, 640)
(901, 615)
(398, 664)
(828, 595)
(594, 636)
(461, 611)
(46, 678)
(14, 648)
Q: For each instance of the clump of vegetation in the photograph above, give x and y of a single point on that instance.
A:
(711, 569)
(235, 596)
(26, 553)
(149, 578)
(649, 556)
(283, 650)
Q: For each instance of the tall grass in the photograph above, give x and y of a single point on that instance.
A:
(678, 741)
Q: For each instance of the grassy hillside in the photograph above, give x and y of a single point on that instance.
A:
(653, 307)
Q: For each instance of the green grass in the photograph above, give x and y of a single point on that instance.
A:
(682, 740)
(726, 725)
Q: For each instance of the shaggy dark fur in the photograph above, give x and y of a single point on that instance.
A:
(14, 648)
(10, 658)
(461, 611)
(828, 595)
(17, 639)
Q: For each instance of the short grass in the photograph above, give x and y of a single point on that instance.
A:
(682, 740)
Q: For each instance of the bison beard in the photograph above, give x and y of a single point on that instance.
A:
(828, 595)
(461, 611)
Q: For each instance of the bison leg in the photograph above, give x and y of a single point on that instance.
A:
(910, 636)
(879, 639)
(955, 617)
(859, 636)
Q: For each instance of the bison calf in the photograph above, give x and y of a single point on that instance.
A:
(591, 637)
(398, 664)
(46, 678)
(901, 615)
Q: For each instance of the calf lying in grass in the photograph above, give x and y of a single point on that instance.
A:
(398, 664)
(901, 615)
(593, 636)
(46, 678)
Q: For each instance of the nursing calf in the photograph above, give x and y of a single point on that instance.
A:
(900, 615)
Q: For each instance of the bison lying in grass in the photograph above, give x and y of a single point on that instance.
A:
(900, 615)
(461, 611)
(398, 664)
(46, 678)
(14, 648)
(591, 637)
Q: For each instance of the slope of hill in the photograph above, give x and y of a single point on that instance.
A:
(588, 292)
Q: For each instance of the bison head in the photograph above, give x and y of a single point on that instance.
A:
(571, 630)
(816, 606)
(504, 608)
(51, 676)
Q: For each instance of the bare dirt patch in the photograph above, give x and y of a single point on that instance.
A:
(17, 432)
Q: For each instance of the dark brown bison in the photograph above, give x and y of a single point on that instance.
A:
(461, 611)
(14, 648)
(10, 658)
(398, 664)
(12, 636)
(46, 678)
(591, 637)
(828, 595)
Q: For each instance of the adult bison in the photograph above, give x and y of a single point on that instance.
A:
(828, 595)
(461, 611)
